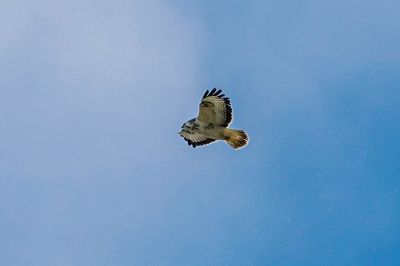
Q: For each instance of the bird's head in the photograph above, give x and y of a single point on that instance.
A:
(187, 126)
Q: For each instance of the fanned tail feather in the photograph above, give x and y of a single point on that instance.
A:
(236, 138)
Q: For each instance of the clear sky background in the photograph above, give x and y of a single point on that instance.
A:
(93, 94)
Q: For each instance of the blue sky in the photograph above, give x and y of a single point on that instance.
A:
(93, 172)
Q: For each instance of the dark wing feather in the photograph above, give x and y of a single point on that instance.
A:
(196, 139)
(199, 143)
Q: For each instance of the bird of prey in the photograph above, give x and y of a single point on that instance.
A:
(211, 124)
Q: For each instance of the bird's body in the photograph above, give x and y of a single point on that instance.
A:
(206, 129)
(211, 124)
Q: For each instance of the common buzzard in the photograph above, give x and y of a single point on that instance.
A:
(211, 124)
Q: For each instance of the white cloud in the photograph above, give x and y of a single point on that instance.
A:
(95, 76)
(89, 100)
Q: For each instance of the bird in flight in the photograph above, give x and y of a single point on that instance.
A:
(211, 124)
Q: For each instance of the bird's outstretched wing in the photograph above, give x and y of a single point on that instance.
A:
(195, 139)
(215, 108)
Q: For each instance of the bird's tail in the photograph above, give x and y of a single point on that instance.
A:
(236, 138)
